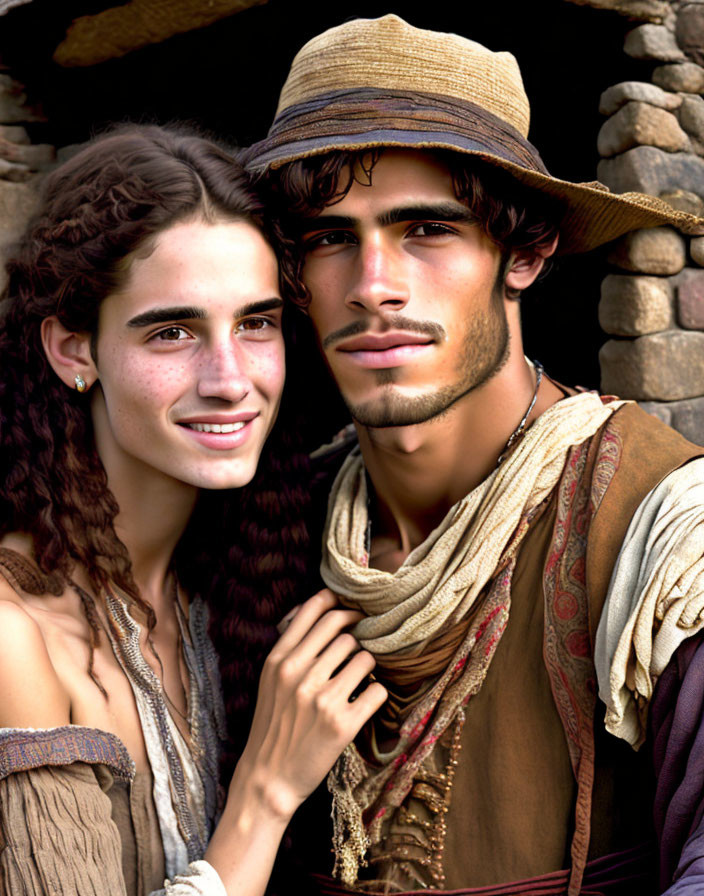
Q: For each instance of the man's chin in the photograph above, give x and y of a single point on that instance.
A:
(397, 409)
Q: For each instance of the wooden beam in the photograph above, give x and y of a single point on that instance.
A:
(121, 29)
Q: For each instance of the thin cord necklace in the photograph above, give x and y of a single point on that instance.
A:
(521, 428)
(512, 439)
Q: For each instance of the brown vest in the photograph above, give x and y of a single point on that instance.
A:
(539, 786)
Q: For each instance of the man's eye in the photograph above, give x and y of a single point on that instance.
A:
(172, 334)
(329, 238)
(430, 228)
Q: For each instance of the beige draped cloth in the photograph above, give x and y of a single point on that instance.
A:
(436, 587)
(440, 580)
(655, 599)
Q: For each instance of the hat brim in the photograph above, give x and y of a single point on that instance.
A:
(592, 215)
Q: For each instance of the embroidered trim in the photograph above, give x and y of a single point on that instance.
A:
(567, 645)
(22, 749)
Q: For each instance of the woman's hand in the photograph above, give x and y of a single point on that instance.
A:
(303, 720)
(304, 716)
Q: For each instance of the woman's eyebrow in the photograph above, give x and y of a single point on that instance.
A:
(163, 315)
(260, 307)
(192, 312)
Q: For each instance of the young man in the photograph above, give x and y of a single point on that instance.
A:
(486, 510)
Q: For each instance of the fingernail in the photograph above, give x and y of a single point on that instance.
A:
(288, 618)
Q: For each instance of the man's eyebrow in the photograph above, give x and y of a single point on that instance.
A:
(428, 211)
(323, 222)
(192, 312)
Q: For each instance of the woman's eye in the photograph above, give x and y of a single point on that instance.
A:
(172, 334)
(254, 324)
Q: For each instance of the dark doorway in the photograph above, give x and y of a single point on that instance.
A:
(226, 78)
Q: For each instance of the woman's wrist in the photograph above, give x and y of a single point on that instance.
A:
(257, 794)
(244, 845)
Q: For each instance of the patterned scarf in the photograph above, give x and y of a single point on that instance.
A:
(438, 584)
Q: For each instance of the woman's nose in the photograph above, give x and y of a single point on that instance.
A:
(224, 374)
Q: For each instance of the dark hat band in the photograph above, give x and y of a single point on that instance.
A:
(375, 117)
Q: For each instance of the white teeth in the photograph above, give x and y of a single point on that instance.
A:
(216, 427)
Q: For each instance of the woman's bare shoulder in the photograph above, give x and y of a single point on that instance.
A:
(31, 694)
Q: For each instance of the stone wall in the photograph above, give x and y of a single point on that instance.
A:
(21, 164)
(653, 141)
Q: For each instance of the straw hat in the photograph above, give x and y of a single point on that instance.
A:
(381, 82)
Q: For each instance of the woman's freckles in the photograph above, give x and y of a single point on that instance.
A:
(161, 384)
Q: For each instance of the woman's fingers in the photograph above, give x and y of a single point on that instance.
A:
(325, 630)
(306, 714)
(313, 628)
(288, 618)
(371, 699)
(325, 664)
(307, 615)
(343, 684)
(319, 614)
(338, 691)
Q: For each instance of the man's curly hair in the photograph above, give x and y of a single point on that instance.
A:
(514, 217)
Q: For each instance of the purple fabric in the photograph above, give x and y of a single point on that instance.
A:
(27, 748)
(677, 729)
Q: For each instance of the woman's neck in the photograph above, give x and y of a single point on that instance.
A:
(153, 515)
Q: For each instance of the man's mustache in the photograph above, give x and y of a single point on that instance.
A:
(394, 322)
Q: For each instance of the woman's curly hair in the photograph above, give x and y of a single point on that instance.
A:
(244, 550)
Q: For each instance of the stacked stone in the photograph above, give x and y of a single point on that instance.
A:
(21, 164)
(653, 141)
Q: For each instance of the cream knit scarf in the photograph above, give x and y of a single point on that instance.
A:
(440, 580)
(434, 588)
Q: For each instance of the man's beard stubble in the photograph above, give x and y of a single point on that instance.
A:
(485, 351)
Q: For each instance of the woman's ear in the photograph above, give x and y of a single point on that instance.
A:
(524, 267)
(69, 354)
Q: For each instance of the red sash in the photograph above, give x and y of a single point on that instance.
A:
(618, 874)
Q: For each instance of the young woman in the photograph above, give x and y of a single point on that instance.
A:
(142, 369)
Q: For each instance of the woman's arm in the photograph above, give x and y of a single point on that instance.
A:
(31, 694)
(57, 835)
(303, 720)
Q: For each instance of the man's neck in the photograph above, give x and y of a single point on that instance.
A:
(419, 472)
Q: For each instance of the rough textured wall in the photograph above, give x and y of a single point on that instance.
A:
(641, 10)
(653, 141)
(21, 164)
(126, 27)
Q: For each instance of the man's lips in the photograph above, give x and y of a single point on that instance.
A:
(376, 351)
(379, 342)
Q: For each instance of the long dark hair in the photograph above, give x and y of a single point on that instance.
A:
(243, 550)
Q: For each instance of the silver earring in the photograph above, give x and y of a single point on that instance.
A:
(80, 383)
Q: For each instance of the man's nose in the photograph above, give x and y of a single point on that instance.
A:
(224, 372)
(380, 278)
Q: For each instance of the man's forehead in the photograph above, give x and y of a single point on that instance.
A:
(392, 180)
(398, 167)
